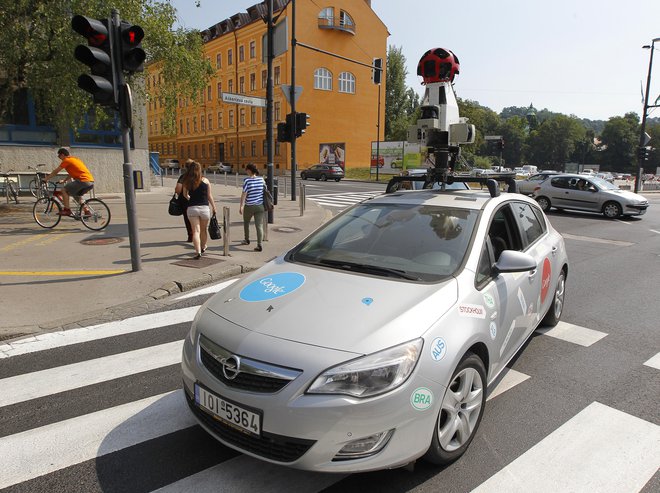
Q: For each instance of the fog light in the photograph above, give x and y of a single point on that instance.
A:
(364, 447)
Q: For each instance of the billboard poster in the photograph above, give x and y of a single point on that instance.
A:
(333, 154)
(394, 157)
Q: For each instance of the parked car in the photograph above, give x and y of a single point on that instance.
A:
(220, 168)
(588, 193)
(373, 341)
(323, 172)
(528, 185)
(170, 163)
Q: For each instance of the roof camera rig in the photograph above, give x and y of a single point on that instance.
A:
(441, 130)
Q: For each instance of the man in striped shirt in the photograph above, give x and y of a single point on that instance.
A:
(252, 205)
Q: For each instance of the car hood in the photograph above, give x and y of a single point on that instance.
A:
(628, 195)
(333, 309)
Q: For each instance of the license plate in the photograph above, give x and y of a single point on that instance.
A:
(228, 412)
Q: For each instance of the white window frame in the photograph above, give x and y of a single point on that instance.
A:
(323, 79)
(346, 83)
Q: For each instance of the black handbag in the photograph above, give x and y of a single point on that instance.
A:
(175, 208)
(214, 228)
(269, 204)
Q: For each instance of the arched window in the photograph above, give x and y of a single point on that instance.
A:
(345, 20)
(347, 82)
(327, 16)
(323, 79)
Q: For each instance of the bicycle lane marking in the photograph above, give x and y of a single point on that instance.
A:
(62, 272)
(21, 243)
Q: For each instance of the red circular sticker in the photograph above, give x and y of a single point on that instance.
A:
(545, 279)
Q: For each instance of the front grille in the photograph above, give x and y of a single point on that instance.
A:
(270, 446)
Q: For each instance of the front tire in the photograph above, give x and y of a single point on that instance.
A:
(98, 216)
(544, 203)
(460, 412)
(612, 210)
(46, 212)
(557, 307)
(303, 176)
(324, 178)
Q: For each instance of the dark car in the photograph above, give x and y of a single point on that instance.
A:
(323, 172)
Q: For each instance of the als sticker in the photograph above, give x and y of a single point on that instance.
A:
(545, 279)
(438, 349)
(489, 300)
(367, 301)
(508, 336)
(523, 303)
(421, 398)
(273, 286)
(493, 330)
(473, 311)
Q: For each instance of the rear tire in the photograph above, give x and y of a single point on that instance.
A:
(557, 307)
(544, 203)
(99, 214)
(324, 178)
(34, 188)
(46, 212)
(12, 192)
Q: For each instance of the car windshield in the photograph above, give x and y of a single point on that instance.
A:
(603, 184)
(413, 242)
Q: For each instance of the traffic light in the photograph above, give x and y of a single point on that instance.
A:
(500, 144)
(302, 122)
(643, 153)
(377, 70)
(284, 133)
(98, 56)
(132, 55)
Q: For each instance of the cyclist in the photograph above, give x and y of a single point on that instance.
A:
(80, 177)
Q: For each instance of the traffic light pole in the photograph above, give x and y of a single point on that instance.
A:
(269, 105)
(642, 133)
(292, 98)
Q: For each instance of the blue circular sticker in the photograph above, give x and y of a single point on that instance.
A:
(274, 286)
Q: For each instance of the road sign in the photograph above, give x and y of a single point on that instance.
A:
(229, 97)
(286, 89)
(647, 139)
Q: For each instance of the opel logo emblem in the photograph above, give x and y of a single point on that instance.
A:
(231, 367)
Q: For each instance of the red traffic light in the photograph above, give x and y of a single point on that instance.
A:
(133, 35)
(96, 31)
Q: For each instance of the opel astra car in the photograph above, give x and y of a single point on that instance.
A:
(373, 342)
(528, 185)
(323, 172)
(588, 193)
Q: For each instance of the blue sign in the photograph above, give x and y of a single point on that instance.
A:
(273, 286)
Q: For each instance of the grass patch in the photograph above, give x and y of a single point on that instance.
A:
(364, 174)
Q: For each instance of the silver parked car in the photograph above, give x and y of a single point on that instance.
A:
(528, 185)
(373, 342)
(588, 193)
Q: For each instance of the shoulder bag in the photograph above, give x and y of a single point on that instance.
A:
(269, 204)
(174, 209)
(214, 228)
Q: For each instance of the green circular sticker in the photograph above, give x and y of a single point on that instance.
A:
(421, 398)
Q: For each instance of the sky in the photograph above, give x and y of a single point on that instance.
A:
(576, 57)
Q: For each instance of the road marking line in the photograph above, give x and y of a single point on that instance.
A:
(62, 272)
(72, 441)
(596, 240)
(573, 333)
(599, 449)
(623, 222)
(654, 362)
(21, 243)
(27, 386)
(210, 289)
(510, 379)
(50, 340)
(53, 238)
(654, 231)
(238, 476)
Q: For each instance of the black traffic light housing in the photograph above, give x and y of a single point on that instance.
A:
(377, 70)
(98, 56)
(643, 153)
(302, 122)
(132, 56)
(500, 144)
(285, 130)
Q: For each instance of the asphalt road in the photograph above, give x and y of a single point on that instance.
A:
(99, 416)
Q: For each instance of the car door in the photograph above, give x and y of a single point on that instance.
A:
(557, 191)
(583, 198)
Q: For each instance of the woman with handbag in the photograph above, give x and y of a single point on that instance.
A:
(183, 202)
(197, 190)
(252, 205)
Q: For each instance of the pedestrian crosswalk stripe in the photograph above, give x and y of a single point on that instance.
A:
(62, 338)
(237, 475)
(573, 333)
(654, 362)
(342, 199)
(509, 380)
(207, 290)
(37, 384)
(599, 449)
(47, 449)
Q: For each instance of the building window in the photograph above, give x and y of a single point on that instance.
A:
(231, 118)
(195, 155)
(253, 82)
(277, 111)
(243, 148)
(209, 97)
(218, 60)
(195, 127)
(264, 147)
(276, 76)
(323, 79)
(203, 150)
(277, 148)
(230, 85)
(219, 119)
(231, 149)
(347, 82)
(187, 125)
(220, 91)
(181, 126)
(210, 126)
(327, 16)
(242, 117)
(241, 53)
(230, 57)
(202, 122)
(253, 148)
(253, 115)
(253, 49)
(264, 78)
(345, 20)
(241, 85)
(264, 114)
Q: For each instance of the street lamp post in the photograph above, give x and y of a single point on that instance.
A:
(642, 133)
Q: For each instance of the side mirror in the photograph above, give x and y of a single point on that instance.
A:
(514, 261)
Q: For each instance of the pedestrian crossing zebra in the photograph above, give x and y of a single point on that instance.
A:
(101, 409)
(342, 200)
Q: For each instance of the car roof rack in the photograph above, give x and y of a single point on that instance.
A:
(445, 176)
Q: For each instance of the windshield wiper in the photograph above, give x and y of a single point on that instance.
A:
(354, 266)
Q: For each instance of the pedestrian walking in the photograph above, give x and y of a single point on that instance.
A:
(183, 202)
(252, 205)
(197, 190)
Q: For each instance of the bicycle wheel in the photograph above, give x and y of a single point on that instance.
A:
(94, 214)
(46, 212)
(12, 192)
(34, 188)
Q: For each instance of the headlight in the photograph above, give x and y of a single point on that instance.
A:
(372, 374)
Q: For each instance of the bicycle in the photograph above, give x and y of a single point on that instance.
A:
(38, 187)
(10, 190)
(93, 212)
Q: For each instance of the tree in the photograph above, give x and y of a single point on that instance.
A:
(401, 103)
(554, 141)
(37, 60)
(620, 138)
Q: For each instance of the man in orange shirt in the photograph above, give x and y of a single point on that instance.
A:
(79, 175)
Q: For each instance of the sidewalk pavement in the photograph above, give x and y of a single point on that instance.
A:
(70, 276)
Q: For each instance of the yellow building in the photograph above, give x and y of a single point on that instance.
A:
(339, 95)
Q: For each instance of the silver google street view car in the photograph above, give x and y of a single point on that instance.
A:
(372, 343)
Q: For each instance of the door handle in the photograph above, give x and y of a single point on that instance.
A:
(554, 251)
(532, 274)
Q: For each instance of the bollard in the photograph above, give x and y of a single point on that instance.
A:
(301, 198)
(225, 230)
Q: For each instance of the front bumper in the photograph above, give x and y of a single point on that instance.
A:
(636, 209)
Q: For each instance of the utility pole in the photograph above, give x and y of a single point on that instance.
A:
(292, 98)
(269, 105)
(642, 133)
